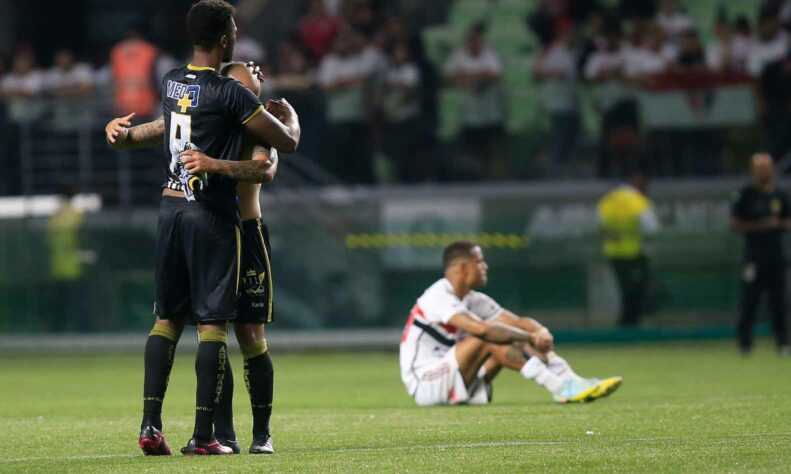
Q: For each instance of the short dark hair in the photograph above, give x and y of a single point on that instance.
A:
(207, 21)
(457, 250)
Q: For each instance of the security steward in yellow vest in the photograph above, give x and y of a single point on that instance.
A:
(626, 216)
(761, 213)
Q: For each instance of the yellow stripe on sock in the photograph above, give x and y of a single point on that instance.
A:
(165, 331)
(213, 336)
(258, 349)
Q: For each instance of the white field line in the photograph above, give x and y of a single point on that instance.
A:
(441, 447)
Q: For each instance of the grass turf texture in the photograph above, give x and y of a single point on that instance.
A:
(690, 407)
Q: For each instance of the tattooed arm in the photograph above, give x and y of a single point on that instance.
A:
(120, 136)
(258, 169)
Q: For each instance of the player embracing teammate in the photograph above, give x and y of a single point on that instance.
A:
(208, 122)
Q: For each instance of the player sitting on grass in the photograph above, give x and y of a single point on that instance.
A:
(456, 341)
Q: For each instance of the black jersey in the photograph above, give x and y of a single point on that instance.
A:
(752, 205)
(206, 111)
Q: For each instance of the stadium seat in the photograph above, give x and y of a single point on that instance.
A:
(439, 43)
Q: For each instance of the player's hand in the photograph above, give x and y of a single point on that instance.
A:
(544, 341)
(117, 128)
(255, 70)
(197, 162)
(281, 109)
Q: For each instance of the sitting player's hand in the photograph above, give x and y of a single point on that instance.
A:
(197, 162)
(544, 341)
(281, 109)
(117, 129)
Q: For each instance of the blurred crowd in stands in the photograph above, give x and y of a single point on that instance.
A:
(368, 93)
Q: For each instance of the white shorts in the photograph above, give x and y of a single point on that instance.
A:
(443, 384)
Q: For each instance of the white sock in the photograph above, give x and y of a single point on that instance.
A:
(558, 366)
(536, 370)
(481, 373)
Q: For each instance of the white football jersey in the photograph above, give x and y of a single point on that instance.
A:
(428, 336)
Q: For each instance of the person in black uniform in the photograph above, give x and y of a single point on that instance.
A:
(255, 304)
(760, 212)
(199, 241)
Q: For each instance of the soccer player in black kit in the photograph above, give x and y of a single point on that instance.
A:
(198, 241)
(760, 212)
(255, 308)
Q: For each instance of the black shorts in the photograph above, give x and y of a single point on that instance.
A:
(197, 262)
(255, 292)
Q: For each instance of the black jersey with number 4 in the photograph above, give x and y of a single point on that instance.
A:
(208, 111)
(752, 205)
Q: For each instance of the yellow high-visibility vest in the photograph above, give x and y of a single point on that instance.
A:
(619, 216)
(64, 244)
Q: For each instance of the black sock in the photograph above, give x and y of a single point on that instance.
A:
(259, 378)
(158, 360)
(210, 371)
(223, 414)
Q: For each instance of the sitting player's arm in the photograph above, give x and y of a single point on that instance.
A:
(122, 136)
(494, 332)
(543, 338)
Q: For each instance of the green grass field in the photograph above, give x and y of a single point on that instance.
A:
(691, 407)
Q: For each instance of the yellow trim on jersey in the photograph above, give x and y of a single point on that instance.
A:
(238, 256)
(255, 112)
(200, 68)
(268, 272)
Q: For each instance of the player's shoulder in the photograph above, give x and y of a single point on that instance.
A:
(439, 290)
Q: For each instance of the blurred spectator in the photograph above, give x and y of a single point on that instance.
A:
(691, 57)
(342, 76)
(620, 137)
(543, 20)
(476, 69)
(133, 63)
(247, 48)
(295, 80)
(672, 20)
(401, 104)
(21, 89)
(362, 16)
(766, 62)
(21, 86)
(71, 83)
(318, 29)
(293, 71)
(729, 50)
(651, 57)
(393, 31)
(770, 47)
(555, 68)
